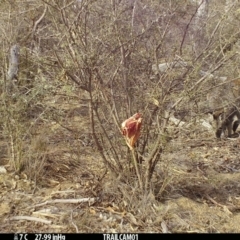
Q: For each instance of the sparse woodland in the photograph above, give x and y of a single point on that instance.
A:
(73, 70)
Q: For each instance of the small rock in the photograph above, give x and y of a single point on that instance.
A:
(16, 177)
(3, 170)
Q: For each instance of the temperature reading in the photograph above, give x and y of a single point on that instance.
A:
(23, 236)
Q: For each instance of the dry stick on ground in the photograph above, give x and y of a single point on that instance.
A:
(80, 200)
(74, 223)
(225, 208)
(31, 219)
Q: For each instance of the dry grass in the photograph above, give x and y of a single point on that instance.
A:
(195, 187)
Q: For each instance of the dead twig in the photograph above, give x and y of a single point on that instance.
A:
(81, 200)
(28, 218)
(74, 223)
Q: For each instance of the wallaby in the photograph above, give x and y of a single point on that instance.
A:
(227, 120)
(225, 102)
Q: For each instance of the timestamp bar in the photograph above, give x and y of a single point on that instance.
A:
(67, 236)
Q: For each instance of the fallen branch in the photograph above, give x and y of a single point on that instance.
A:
(90, 200)
(31, 219)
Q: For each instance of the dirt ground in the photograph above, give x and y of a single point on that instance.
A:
(199, 190)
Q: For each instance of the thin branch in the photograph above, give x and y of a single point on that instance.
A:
(137, 168)
(112, 148)
(185, 32)
(39, 20)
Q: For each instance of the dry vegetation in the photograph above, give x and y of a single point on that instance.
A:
(84, 67)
